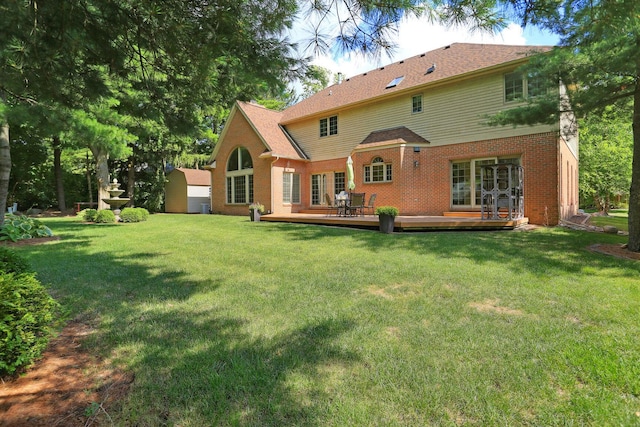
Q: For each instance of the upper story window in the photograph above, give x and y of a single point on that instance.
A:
(378, 171)
(517, 87)
(329, 126)
(416, 104)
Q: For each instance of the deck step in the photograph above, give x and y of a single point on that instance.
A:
(474, 214)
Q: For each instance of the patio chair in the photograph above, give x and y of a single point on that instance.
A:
(356, 204)
(330, 205)
(370, 205)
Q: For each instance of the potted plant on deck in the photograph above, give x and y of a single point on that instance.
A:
(387, 217)
(255, 210)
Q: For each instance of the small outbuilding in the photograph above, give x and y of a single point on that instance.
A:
(188, 191)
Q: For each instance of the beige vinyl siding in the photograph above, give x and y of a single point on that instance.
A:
(451, 114)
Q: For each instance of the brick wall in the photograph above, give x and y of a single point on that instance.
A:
(240, 134)
(422, 180)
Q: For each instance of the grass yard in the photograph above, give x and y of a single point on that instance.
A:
(617, 217)
(231, 323)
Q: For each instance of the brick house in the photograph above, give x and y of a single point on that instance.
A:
(415, 132)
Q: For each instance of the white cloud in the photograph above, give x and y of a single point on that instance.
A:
(417, 36)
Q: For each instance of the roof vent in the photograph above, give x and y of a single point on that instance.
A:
(431, 69)
(401, 62)
(422, 55)
(447, 47)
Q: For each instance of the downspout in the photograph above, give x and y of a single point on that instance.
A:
(272, 195)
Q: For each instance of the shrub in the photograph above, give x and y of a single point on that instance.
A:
(20, 227)
(11, 262)
(90, 215)
(134, 215)
(26, 315)
(387, 210)
(105, 216)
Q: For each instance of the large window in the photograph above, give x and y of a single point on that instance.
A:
(465, 180)
(240, 177)
(338, 182)
(321, 185)
(378, 171)
(291, 188)
(518, 87)
(318, 188)
(329, 126)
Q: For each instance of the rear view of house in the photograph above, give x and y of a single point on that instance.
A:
(188, 191)
(415, 130)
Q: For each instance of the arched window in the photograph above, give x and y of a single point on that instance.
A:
(239, 177)
(378, 171)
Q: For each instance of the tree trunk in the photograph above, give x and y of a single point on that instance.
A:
(131, 179)
(102, 175)
(89, 186)
(57, 173)
(634, 192)
(5, 167)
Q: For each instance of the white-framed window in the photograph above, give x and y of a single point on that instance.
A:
(291, 188)
(339, 182)
(318, 188)
(329, 126)
(517, 87)
(465, 180)
(416, 104)
(239, 177)
(378, 171)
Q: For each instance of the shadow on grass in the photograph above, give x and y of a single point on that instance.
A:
(191, 364)
(540, 252)
(214, 373)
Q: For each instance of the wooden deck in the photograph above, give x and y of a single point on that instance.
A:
(403, 223)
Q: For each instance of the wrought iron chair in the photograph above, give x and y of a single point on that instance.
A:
(370, 206)
(330, 205)
(356, 204)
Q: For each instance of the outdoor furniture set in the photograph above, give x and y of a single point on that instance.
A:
(350, 204)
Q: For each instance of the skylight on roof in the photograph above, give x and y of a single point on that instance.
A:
(395, 82)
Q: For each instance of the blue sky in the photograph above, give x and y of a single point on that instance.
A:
(416, 36)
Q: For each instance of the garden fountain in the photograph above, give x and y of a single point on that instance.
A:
(114, 200)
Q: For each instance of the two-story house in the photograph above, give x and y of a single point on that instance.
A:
(416, 132)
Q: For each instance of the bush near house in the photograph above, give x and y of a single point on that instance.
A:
(134, 215)
(27, 312)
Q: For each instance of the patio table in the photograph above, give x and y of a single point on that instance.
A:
(342, 203)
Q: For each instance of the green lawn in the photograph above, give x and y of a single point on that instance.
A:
(617, 218)
(228, 322)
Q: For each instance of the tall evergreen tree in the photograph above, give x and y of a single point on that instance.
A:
(599, 64)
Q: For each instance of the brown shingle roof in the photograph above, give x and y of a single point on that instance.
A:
(196, 176)
(266, 124)
(451, 61)
(398, 134)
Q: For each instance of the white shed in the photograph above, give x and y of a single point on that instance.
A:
(188, 191)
